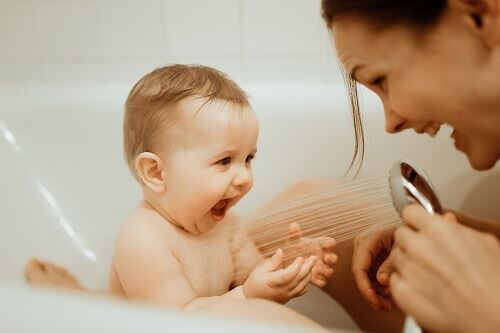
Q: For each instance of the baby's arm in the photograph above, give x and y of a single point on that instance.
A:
(148, 270)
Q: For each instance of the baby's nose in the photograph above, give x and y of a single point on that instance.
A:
(242, 177)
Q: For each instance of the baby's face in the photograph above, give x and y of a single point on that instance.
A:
(211, 169)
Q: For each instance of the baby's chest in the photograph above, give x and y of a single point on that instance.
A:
(208, 266)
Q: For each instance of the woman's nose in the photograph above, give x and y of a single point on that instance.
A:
(393, 122)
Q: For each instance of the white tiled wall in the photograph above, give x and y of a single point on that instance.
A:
(106, 41)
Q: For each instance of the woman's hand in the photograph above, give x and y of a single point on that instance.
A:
(372, 266)
(448, 275)
(320, 247)
(271, 282)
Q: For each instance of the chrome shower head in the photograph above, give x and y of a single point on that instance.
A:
(409, 183)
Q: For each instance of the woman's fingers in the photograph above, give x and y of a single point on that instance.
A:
(386, 269)
(361, 263)
(417, 217)
(429, 249)
(366, 288)
(413, 302)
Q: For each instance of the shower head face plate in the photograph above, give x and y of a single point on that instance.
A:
(409, 183)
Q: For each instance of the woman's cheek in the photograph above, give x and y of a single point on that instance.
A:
(411, 102)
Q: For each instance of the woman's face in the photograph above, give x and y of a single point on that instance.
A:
(424, 79)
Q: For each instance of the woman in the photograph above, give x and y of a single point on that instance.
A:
(431, 62)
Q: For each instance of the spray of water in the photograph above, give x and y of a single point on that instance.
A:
(340, 211)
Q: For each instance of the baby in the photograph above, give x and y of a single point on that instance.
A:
(190, 136)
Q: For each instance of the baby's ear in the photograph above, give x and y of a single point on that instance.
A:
(150, 169)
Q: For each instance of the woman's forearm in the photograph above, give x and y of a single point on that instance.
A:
(489, 226)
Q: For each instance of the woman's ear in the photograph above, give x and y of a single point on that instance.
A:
(150, 169)
(481, 16)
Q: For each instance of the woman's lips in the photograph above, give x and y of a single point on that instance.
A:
(431, 129)
(456, 141)
(459, 141)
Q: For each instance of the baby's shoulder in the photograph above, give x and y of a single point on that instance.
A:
(143, 229)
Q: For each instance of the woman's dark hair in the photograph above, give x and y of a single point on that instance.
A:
(418, 14)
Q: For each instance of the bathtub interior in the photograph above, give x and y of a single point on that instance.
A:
(65, 188)
(86, 313)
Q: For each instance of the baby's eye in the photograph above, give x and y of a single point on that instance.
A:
(249, 158)
(225, 161)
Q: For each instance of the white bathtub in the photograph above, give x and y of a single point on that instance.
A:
(64, 187)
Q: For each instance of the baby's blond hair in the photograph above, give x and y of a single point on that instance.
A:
(150, 109)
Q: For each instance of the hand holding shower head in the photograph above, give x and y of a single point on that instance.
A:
(408, 184)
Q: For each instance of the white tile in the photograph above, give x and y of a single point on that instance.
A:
(202, 27)
(19, 59)
(20, 73)
(130, 28)
(72, 73)
(230, 65)
(129, 71)
(66, 28)
(17, 30)
(290, 69)
(283, 27)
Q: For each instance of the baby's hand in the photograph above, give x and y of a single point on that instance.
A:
(321, 247)
(270, 282)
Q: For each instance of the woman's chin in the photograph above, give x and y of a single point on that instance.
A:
(481, 155)
(481, 163)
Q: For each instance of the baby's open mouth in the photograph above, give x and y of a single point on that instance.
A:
(219, 210)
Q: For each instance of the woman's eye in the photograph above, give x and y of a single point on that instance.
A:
(378, 81)
(225, 161)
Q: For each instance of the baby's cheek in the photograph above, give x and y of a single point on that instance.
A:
(250, 186)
